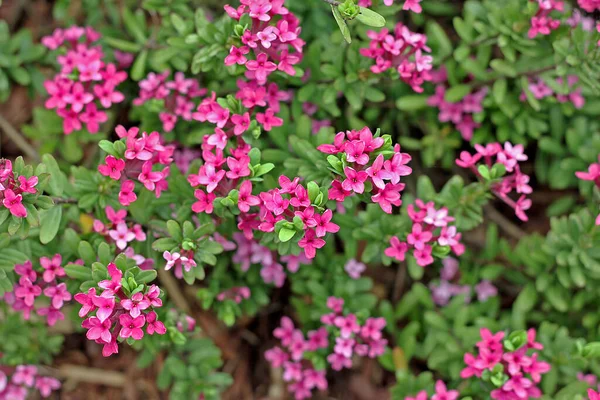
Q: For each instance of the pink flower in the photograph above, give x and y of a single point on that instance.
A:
(14, 204)
(241, 123)
(354, 268)
(122, 235)
(521, 206)
(27, 291)
(78, 97)
(154, 325)
(27, 185)
(86, 301)
(132, 327)
(355, 152)
(238, 168)
(323, 224)
(285, 332)
(593, 395)
(268, 120)
(149, 178)
(347, 325)
(52, 268)
(397, 249)
(46, 385)
(204, 203)
(112, 168)
(418, 238)
(442, 394)
(127, 194)
(412, 5)
(276, 356)
(339, 362)
(105, 306)
(98, 330)
(261, 67)
(236, 55)
(245, 197)
(136, 304)
(58, 294)
(310, 243)
(354, 180)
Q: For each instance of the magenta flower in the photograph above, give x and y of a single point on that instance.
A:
(86, 301)
(347, 325)
(397, 249)
(355, 152)
(204, 203)
(418, 237)
(441, 393)
(268, 120)
(261, 67)
(127, 194)
(98, 330)
(136, 304)
(52, 268)
(122, 235)
(154, 325)
(245, 197)
(354, 180)
(46, 385)
(132, 327)
(236, 55)
(27, 185)
(112, 168)
(27, 291)
(25, 375)
(105, 306)
(310, 243)
(323, 224)
(58, 294)
(14, 204)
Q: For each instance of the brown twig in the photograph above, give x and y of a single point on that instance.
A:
(504, 223)
(173, 290)
(18, 139)
(79, 373)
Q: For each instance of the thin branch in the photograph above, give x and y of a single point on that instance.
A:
(504, 223)
(18, 139)
(173, 290)
(80, 373)
(332, 2)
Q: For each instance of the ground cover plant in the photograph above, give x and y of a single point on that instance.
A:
(358, 199)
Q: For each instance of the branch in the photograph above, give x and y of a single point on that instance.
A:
(173, 291)
(18, 139)
(332, 2)
(504, 223)
(80, 373)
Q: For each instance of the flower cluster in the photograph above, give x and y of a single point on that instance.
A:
(237, 294)
(32, 284)
(540, 90)
(430, 227)
(85, 81)
(250, 252)
(593, 175)
(367, 170)
(515, 180)
(23, 379)
(350, 338)
(365, 340)
(13, 188)
(139, 160)
(274, 33)
(408, 5)
(177, 95)
(441, 393)
(589, 5)
(541, 22)
(515, 371)
(402, 51)
(445, 290)
(117, 229)
(181, 260)
(125, 310)
(461, 112)
(302, 377)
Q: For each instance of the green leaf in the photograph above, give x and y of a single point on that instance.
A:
(50, 222)
(457, 93)
(86, 252)
(146, 276)
(371, 18)
(499, 90)
(139, 66)
(503, 67)
(79, 272)
(342, 24)
(123, 45)
(412, 102)
(133, 26)
(286, 234)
